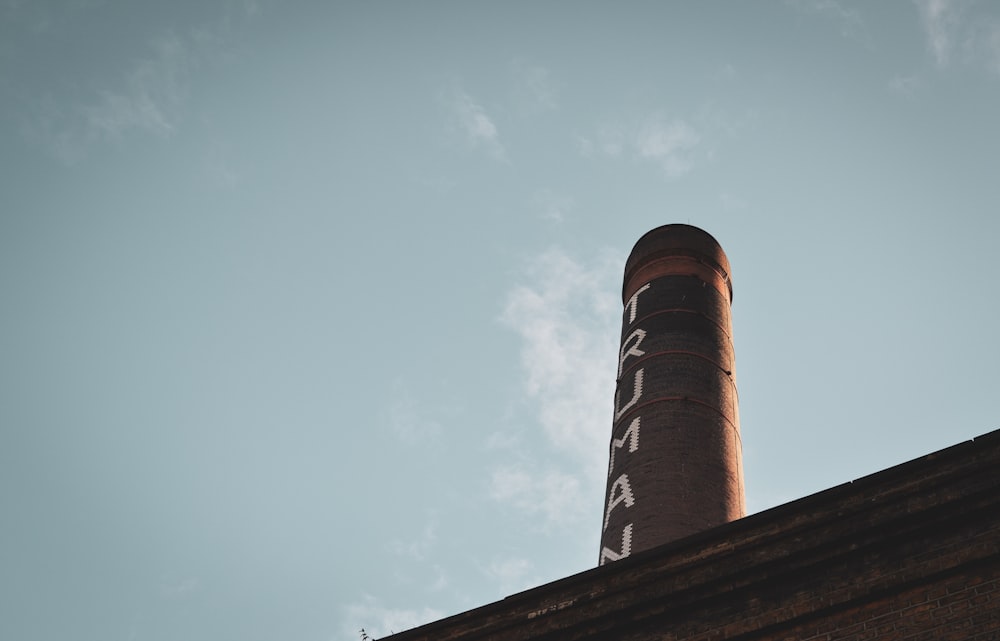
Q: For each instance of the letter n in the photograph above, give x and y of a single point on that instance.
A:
(607, 554)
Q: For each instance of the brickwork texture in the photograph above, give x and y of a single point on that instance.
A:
(675, 458)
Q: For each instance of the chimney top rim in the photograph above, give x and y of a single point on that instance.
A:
(678, 239)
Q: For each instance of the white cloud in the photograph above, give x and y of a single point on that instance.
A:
(553, 206)
(408, 421)
(509, 569)
(567, 318)
(962, 28)
(982, 40)
(440, 581)
(610, 141)
(940, 19)
(534, 89)
(992, 43)
(49, 128)
(511, 575)
(418, 549)
(668, 143)
(479, 129)
(219, 168)
(567, 321)
(378, 620)
(151, 97)
(555, 496)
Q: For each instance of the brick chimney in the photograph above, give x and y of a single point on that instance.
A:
(675, 458)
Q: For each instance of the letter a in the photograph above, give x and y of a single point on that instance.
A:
(626, 495)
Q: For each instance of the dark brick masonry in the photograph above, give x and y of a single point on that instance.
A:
(675, 454)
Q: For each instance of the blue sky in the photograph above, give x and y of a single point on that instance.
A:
(310, 309)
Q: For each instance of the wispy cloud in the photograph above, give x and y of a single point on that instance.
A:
(534, 89)
(409, 421)
(610, 140)
(848, 19)
(511, 575)
(219, 167)
(982, 40)
(553, 495)
(378, 620)
(418, 549)
(962, 29)
(566, 318)
(941, 20)
(992, 43)
(552, 206)
(904, 85)
(477, 126)
(669, 142)
(151, 96)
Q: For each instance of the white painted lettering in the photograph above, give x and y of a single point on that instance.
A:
(633, 303)
(627, 351)
(636, 393)
(621, 483)
(607, 554)
(631, 435)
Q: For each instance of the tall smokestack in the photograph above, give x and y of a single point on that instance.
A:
(676, 458)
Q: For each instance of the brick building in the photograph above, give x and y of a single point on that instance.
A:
(911, 552)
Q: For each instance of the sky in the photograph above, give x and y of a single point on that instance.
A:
(309, 311)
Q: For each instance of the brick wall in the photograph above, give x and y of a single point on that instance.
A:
(912, 552)
(960, 607)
